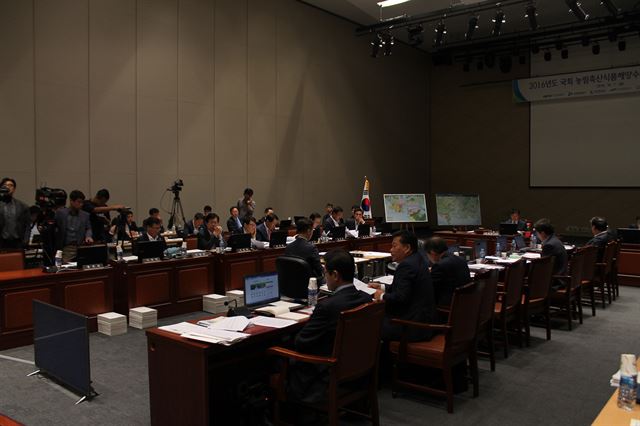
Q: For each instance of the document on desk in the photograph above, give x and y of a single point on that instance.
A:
(271, 322)
(478, 266)
(238, 323)
(531, 255)
(363, 287)
(285, 304)
(386, 280)
(198, 332)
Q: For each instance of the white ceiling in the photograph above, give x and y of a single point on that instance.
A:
(550, 12)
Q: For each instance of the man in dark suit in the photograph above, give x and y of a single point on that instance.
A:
(234, 223)
(305, 249)
(264, 230)
(73, 227)
(328, 209)
(193, 226)
(601, 235)
(448, 271)
(308, 382)
(152, 232)
(211, 233)
(334, 220)
(514, 218)
(552, 246)
(410, 296)
(14, 217)
(357, 219)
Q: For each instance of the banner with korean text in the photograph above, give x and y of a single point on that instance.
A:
(611, 81)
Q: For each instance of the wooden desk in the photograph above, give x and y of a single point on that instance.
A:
(173, 287)
(467, 239)
(86, 292)
(629, 265)
(611, 415)
(195, 383)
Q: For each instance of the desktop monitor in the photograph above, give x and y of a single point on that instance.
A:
(478, 247)
(385, 228)
(278, 239)
(338, 232)
(261, 289)
(92, 255)
(285, 224)
(240, 242)
(629, 235)
(148, 249)
(508, 229)
(364, 230)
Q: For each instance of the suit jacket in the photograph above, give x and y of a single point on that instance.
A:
(206, 240)
(189, 229)
(554, 247)
(145, 237)
(61, 227)
(448, 274)
(600, 240)
(233, 227)
(410, 297)
(23, 220)
(262, 233)
(309, 252)
(328, 224)
(351, 224)
(308, 382)
(522, 225)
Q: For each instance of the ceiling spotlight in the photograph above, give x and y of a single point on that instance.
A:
(498, 20)
(595, 49)
(576, 8)
(532, 16)
(611, 7)
(387, 3)
(471, 27)
(564, 54)
(415, 35)
(376, 44)
(547, 56)
(441, 34)
(387, 44)
(622, 45)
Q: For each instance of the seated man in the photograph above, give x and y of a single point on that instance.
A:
(267, 212)
(152, 231)
(210, 234)
(316, 220)
(356, 220)
(206, 210)
(334, 220)
(155, 213)
(514, 218)
(552, 246)
(193, 226)
(410, 296)
(73, 227)
(126, 231)
(307, 382)
(328, 209)
(601, 235)
(249, 227)
(234, 223)
(448, 271)
(305, 249)
(264, 230)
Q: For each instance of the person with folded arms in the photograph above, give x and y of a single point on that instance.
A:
(211, 233)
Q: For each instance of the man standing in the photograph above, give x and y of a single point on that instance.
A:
(210, 235)
(448, 271)
(246, 205)
(99, 215)
(14, 217)
(410, 296)
(73, 227)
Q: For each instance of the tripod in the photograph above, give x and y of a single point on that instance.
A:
(177, 213)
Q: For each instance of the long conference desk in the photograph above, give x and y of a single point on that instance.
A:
(172, 287)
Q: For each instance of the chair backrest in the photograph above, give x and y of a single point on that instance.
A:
(608, 256)
(487, 305)
(576, 265)
(539, 278)
(293, 276)
(589, 260)
(463, 318)
(514, 279)
(12, 260)
(357, 343)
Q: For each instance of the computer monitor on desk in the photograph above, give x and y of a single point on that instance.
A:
(364, 230)
(285, 224)
(96, 255)
(508, 229)
(261, 289)
(148, 249)
(338, 232)
(240, 242)
(629, 235)
(278, 239)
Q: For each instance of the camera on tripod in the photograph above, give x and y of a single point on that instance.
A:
(49, 198)
(176, 186)
(3, 190)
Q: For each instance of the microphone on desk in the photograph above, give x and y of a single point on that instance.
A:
(237, 311)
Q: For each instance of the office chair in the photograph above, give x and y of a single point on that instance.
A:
(293, 276)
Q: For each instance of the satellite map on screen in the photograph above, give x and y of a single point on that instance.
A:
(458, 209)
(405, 208)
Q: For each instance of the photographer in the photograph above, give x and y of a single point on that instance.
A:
(99, 214)
(14, 217)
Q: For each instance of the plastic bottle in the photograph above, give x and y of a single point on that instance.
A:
(183, 249)
(58, 259)
(534, 239)
(498, 248)
(628, 380)
(482, 253)
(312, 291)
(119, 255)
(514, 247)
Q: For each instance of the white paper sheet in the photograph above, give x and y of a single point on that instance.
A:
(271, 322)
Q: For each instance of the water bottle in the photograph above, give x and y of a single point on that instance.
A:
(498, 248)
(482, 253)
(514, 247)
(222, 244)
(312, 291)
(119, 255)
(534, 240)
(58, 259)
(628, 378)
(183, 249)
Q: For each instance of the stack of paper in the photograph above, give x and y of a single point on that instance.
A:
(237, 295)
(204, 334)
(238, 323)
(112, 324)
(214, 303)
(143, 317)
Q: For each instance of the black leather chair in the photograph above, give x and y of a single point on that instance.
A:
(293, 276)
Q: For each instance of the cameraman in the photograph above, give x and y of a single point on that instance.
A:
(14, 217)
(99, 215)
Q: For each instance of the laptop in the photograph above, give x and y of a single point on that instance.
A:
(285, 224)
(240, 242)
(278, 239)
(261, 290)
(364, 230)
(508, 229)
(92, 255)
(338, 232)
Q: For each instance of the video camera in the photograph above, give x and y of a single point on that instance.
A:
(49, 198)
(176, 186)
(4, 190)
